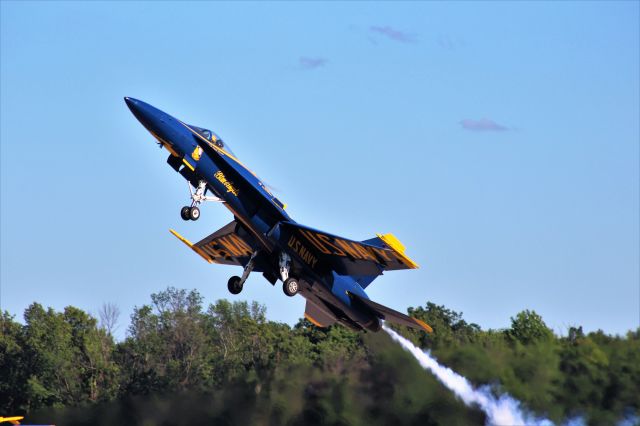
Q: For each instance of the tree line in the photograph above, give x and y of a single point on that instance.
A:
(226, 363)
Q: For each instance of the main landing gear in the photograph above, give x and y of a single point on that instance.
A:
(198, 197)
(235, 283)
(290, 285)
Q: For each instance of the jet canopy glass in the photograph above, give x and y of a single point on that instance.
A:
(212, 137)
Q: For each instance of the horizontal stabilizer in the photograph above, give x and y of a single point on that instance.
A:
(317, 316)
(390, 315)
(225, 246)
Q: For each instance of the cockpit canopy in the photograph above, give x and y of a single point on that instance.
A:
(212, 137)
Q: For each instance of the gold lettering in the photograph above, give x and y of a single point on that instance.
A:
(325, 239)
(365, 254)
(315, 242)
(347, 247)
(227, 184)
(302, 251)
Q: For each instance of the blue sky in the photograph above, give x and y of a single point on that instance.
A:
(498, 141)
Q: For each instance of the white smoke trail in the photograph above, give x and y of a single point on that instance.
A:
(502, 411)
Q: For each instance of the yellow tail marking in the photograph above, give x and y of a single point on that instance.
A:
(398, 248)
(191, 246)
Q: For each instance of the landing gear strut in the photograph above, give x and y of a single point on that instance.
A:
(198, 197)
(235, 283)
(290, 285)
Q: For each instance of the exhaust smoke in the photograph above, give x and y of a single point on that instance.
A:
(502, 411)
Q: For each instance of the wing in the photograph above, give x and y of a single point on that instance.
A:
(390, 315)
(225, 246)
(325, 252)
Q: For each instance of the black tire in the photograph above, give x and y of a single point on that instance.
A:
(184, 213)
(194, 213)
(291, 287)
(234, 285)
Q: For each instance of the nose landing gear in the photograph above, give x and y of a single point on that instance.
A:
(190, 213)
(198, 197)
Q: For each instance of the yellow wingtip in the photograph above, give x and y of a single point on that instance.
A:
(181, 238)
(191, 246)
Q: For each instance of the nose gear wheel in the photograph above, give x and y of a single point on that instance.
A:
(197, 198)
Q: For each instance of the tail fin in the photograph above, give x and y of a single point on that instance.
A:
(364, 280)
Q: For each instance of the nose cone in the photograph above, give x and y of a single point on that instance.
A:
(130, 101)
(136, 107)
(161, 125)
(150, 117)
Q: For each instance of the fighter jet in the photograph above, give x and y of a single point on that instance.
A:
(329, 271)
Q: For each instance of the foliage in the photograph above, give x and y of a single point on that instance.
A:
(226, 363)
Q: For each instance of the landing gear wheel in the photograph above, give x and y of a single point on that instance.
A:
(291, 287)
(234, 285)
(194, 213)
(184, 213)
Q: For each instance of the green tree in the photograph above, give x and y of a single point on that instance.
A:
(13, 371)
(68, 359)
(167, 348)
(528, 327)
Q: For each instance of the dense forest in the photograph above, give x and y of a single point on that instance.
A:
(184, 363)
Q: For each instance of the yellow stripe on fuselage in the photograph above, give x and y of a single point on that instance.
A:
(166, 144)
(186, 163)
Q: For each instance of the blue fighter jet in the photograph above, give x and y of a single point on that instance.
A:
(329, 271)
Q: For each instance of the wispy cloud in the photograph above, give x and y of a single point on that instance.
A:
(393, 34)
(450, 43)
(312, 63)
(482, 125)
